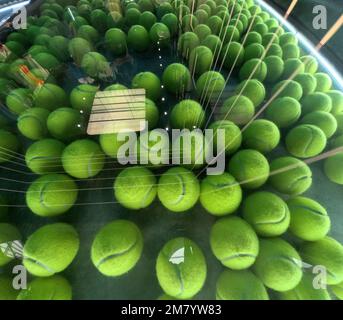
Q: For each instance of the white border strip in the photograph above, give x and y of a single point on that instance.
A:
(336, 76)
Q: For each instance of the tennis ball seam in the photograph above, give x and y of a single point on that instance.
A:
(41, 264)
(238, 255)
(313, 211)
(292, 185)
(282, 219)
(182, 195)
(146, 196)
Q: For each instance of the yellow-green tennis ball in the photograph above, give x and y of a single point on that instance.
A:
(18, 100)
(187, 114)
(201, 16)
(267, 213)
(165, 8)
(338, 290)
(232, 134)
(110, 144)
(50, 288)
(215, 23)
(234, 243)
(49, 62)
(253, 37)
(44, 156)
(176, 78)
(306, 290)
(325, 252)
(132, 16)
(311, 64)
(151, 113)
(83, 159)
(220, 194)
(98, 19)
(252, 51)
(42, 40)
(210, 86)
(269, 38)
(181, 268)
(337, 101)
(115, 40)
(205, 6)
(260, 28)
(307, 81)
(50, 96)
(261, 135)
(148, 81)
(51, 195)
(96, 65)
(189, 22)
(274, 50)
(324, 82)
(82, 97)
(238, 109)
(171, 21)
(232, 54)
(214, 43)
(7, 291)
(147, 20)
(8, 234)
(292, 176)
(272, 23)
(115, 86)
(200, 60)
(252, 89)
(146, 5)
(117, 247)
(159, 35)
(275, 68)
(178, 189)
(309, 219)
(66, 124)
(288, 88)
(287, 38)
(202, 31)
(229, 34)
(293, 66)
(278, 265)
(58, 45)
(186, 43)
(135, 187)
(240, 285)
(77, 48)
(50, 249)
(290, 51)
(333, 168)
(32, 123)
(305, 141)
(138, 38)
(115, 20)
(9, 145)
(323, 120)
(253, 69)
(250, 168)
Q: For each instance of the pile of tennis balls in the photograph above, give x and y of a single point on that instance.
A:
(264, 228)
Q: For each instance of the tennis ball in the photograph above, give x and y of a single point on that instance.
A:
(32, 123)
(274, 50)
(275, 68)
(83, 159)
(159, 35)
(98, 19)
(82, 97)
(178, 189)
(202, 31)
(187, 114)
(206, 7)
(9, 145)
(146, 5)
(260, 28)
(337, 101)
(189, 22)
(323, 120)
(132, 16)
(138, 38)
(117, 247)
(333, 168)
(232, 55)
(171, 21)
(293, 67)
(210, 85)
(252, 89)
(307, 81)
(110, 144)
(290, 51)
(288, 88)
(165, 7)
(253, 69)
(309, 220)
(338, 290)
(151, 113)
(41, 40)
(147, 19)
(305, 141)
(201, 15)
(77, 48)
(234, 243)
(8, 234)
(252, 51)
(316, 101)
(7, 290)
(220, 194)
(50, 249)
(261, 135)
(215, 23)
(115, 40)
(115, 86)
(148, 81)
(50, 96)
(269, 38)
(229, 34)
(232, 134)
(181, 268)
(200, 60)
(66, 124)
(240, 285)
(96, 65)
(267, 213)
(252, 37)
(44, 156)
(115, 20)
(325, 252)
(337, 142)
(186, 43)
(48, 61)
(18, 100)
(214, 43)
(58, 45)
(311, 64)
(50, 288)
(272, 23)
(135, 188)
(176, 78)
(288, 38)
(278, 265)
(238, 109)
(290, 175)
(324, 82)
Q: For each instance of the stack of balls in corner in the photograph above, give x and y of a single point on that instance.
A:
(258, 221)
